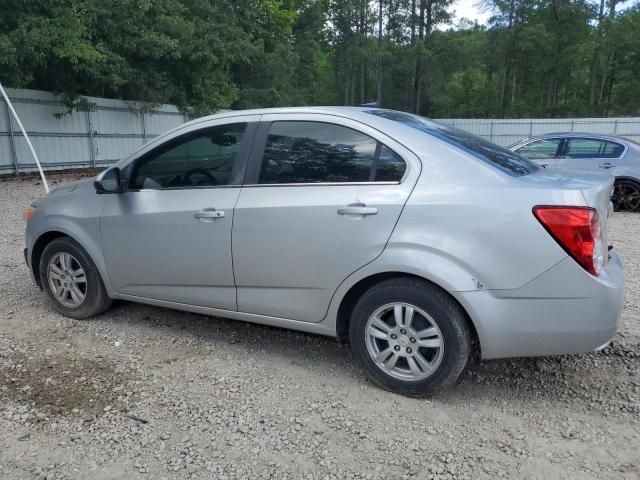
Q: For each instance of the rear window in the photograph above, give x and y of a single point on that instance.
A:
(495, 155)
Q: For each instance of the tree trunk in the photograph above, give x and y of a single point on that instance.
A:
(611, 80)
(513, 88)
(363, 61)
(346, 84)
(507, 62)
(417, 84)
(413, 22)
(610, 57)
(353, 85)
(379, 75)
(593, 77)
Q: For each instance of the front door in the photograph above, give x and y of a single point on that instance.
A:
(321, 199)
(168, 237)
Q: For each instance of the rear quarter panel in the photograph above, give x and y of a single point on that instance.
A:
(466, 216)
(469, 227)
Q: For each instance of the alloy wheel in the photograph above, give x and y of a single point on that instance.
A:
(404, 341)
(626, 197)
(67, 280)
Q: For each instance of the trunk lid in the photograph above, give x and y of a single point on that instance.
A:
(596, 187)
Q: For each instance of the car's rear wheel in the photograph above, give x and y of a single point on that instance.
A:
(71, 280)
(626, 196)
(410, 336)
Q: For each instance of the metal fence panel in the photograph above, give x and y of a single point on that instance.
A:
(507, 131)
(6, 157)
(114, 128)
(106, 133)
(53, 152)
(156, 124)
(112, 149)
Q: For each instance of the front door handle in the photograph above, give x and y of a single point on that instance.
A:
(208, 214)
(357, 209)
(607, 165)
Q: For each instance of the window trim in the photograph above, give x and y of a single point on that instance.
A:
(252, 172)
(242, 156)
(625, 148)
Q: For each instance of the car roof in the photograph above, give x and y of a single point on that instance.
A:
(355, 113)
(331, 110)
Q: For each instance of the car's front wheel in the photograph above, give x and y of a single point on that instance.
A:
(71, 280)
(411, 337)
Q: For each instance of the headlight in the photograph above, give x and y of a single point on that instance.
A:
(28, 215)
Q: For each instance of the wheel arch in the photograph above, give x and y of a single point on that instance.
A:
(38, 247)
(349, 300)
(627, 179)
(45, 238)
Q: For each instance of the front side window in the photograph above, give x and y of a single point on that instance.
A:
(541, 149)
(317, 152)
(592, 148)
(206, 158)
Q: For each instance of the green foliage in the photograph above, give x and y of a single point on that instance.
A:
(534, 58)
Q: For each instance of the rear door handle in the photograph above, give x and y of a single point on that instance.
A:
(357, 209)
(208, 214)
(606, 165)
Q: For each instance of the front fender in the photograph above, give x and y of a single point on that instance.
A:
(77, 215)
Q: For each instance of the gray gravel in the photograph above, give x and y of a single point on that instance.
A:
(143, 392)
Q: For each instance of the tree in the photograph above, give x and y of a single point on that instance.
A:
(534, 58)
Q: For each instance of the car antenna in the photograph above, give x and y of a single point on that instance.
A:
(26, 137)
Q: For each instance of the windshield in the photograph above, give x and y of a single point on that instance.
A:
(495, 155)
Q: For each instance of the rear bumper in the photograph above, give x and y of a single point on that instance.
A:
(563, 311)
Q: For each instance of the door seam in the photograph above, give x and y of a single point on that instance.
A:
(233, 211)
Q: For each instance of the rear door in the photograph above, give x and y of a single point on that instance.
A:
(592, 154)
(321, 198)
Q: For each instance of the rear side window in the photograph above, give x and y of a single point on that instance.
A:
(499, 157)
(389, 167)
(592, 148)
(318, 152)
(541, 149)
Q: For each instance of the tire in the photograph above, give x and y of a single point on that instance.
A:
(626, 196)
(80, 299)
(437, 339)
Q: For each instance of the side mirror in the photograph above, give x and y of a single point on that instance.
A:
(109, 181)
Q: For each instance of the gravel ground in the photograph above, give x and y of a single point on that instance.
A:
(144, 392)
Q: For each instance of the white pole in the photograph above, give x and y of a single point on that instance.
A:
(26, 137)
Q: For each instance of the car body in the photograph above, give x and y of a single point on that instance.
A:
(308, 218)
(582, 151)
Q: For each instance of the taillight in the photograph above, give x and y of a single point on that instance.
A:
(577, 230)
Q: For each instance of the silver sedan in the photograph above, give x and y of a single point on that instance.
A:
(413, 241)
(582, 151)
